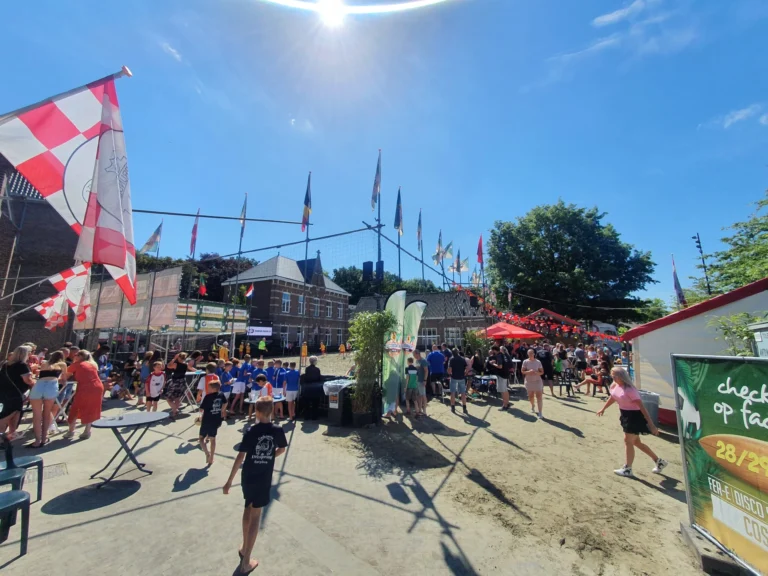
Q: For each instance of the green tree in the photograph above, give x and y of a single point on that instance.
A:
(734, 331)
(654, 308)
(351, 279)
(567, 255)
(214, 268)
(745, 260)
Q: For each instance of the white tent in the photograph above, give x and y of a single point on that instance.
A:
(686, 332)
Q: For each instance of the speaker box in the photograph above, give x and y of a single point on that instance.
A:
(367, 271)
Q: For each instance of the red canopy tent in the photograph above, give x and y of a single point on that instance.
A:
(502, 330)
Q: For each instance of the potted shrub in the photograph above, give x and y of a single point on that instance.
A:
(368, 331)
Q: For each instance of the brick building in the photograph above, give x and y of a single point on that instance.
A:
(35, 242)
(279, 301)
(447, 317)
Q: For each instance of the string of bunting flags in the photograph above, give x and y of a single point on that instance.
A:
(489, 306)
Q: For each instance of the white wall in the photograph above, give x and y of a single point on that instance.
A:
(651, 362)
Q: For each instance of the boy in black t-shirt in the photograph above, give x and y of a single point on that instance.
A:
(214, 409)
(262, 443)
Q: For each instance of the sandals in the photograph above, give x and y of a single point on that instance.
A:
(85, 435)
(37, 444)
(68, 435)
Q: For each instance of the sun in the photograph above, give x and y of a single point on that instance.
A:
(331, 12)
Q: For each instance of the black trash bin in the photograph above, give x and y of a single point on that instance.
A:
(340, 407)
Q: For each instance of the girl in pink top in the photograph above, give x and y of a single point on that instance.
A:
(634, 420)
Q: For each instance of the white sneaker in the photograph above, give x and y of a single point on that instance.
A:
(660, 465)
(53, 430)
(539, 416)
(625, 471)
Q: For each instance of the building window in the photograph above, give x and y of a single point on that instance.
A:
(327, 337)
(286, 303)
(340, 336)
(284, 335)
(316, 311)
(341, 313)
(453, 337)
(301, 305)
(428, 336)
(329, 309)
(299, 336)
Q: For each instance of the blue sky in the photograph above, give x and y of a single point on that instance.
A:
(656, 111)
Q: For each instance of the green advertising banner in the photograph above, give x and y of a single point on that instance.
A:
(722, 414)
(391, 373)
(411, 322)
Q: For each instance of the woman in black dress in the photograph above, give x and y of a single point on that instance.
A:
(15, 380)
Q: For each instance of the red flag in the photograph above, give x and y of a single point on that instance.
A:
(202, 290)
(72, 283)
(480, 250)
(193, 242)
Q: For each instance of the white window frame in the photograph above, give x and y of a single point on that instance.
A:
(299, 335)
(284, 331)
(286, 303)
(316, 311)
(341, 313)
(301, 305)
(453, 336)
(428, 336)
(340, 336)
(327, 337)
(329, 309)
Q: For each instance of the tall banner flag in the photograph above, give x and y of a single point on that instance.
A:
(678, 289)
(71, 283)
(399, 215)
(83, 308)
(437, 257)
(480, 250)
(70, 147)
(307, 204)
(418, 232)
(376, 184)
(243, 216)
(202, 290)
(153, 242)
(411, 321)
(448, 251)
(249, 292)
(391, 361)
(722, 419)
(193, 241)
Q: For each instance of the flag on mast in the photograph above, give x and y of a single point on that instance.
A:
(153, 243)
(399, 214)
(202, 290)
(72, 283)
(376, 184)
(193, 241)
(242, 216)
(418, 233)
(678, 289)
(70, 147)
(307, 204)
(480, 251)
(437, 257)
(249, 292)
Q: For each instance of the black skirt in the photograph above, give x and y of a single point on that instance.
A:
(633, 422)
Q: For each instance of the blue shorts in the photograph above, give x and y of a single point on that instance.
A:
(45, 389)
(459, 386)
(66, 392)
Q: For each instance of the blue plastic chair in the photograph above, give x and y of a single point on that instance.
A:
(25, 462)
(11, 502)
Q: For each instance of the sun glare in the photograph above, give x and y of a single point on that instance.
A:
(331, 12)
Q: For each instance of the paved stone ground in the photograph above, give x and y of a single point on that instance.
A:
(327, 516)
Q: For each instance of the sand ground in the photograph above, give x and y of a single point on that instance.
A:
(491, 493)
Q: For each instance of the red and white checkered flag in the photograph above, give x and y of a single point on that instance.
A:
(73, 283)
(54, 310)
(71, 149)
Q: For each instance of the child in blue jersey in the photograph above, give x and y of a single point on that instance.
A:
(278, 388)
(258, 369)
(226, 379)
(219, 368)
(238, 388)
(292, 389)
(270, 371)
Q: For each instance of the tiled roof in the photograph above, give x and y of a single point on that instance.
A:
(18, 186)
(282, 268)
(439, 305)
